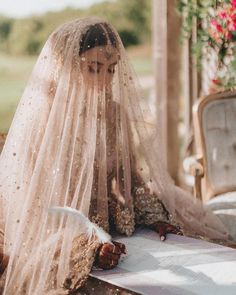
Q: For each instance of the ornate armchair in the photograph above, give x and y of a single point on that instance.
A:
(214, 165)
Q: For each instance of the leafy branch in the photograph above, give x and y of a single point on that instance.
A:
(216, 30)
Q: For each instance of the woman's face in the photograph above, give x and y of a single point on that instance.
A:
(98, 66)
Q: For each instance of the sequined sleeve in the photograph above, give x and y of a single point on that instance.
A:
(121, 219)
(81, 261)
(147, 206)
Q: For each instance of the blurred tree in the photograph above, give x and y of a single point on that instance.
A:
(114, 12)
(129, 37)
(23, 36)
(131, 18)
(5, 29)
(52, 20)
(138, 12)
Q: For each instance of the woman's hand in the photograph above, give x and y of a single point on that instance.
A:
(3, 262)
(108, 255)
(164, 228)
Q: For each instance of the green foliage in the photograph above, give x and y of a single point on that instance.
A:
(138, 12)
(26, 36)
(213, 33)
(191, 11)
(23, 36)
(20, 38)
(5, 29)
(129, 37)
(132, 18)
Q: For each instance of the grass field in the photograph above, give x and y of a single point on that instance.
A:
(15, 71)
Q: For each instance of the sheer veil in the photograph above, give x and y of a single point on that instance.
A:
(73, 129)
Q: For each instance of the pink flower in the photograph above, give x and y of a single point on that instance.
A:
(233, 3)
(228, 35)
(219, 28)
(214, 22)
(223, 26)
(232, 26)
(215, 35)
(223, 14)
(216, 81)
(216, 26)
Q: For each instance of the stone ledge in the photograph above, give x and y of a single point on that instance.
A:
(178, 266)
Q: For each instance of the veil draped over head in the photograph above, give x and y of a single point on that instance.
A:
(80, 121)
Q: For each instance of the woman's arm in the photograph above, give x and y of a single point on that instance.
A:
(82, 257)
(150, 211)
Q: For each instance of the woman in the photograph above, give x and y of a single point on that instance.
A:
(83, 138)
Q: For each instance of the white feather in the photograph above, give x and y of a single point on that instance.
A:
(85, 224)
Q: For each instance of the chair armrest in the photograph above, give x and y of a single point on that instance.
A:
(193, 165)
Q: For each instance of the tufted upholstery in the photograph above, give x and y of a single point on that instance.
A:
(224, 206)
(214, 118)
(219, 132)
(215, 135)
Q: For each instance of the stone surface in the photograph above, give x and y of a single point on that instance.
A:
(180, 265)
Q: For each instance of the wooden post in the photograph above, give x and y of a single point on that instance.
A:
(160, 69)
(167, 61)
(192, 88)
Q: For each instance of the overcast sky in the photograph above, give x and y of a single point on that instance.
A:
(21, 8)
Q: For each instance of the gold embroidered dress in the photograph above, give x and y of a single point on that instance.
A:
(82, 137)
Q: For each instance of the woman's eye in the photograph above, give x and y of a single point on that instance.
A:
(111, 70)
(93, 70)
